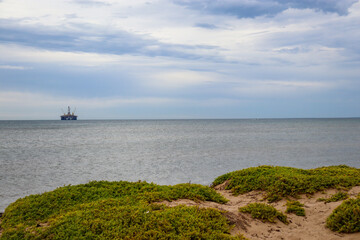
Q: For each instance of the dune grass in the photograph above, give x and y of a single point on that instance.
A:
(280, 182)
(115, 210)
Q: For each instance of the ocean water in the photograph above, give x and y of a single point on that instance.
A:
(38, 156)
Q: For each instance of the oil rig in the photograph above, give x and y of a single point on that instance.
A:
(69, 116)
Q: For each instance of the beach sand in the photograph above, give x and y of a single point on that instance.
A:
(310, 227)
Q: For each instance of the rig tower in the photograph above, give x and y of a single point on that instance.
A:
(69, 115)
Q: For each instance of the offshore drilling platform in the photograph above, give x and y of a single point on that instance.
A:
(69, 115)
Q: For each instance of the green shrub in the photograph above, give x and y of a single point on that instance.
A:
(279, 182)
(115, 210)
(109, 219)
(264, 212)
(295, 207)
(42, 206)
(346, 217)
(335, 197)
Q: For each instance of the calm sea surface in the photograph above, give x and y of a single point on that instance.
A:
(38, 156)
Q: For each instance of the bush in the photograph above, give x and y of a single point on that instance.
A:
(109, 219)
(279, 182)
(264, 212)
(115, 210)
(346, 217)
(295, 207)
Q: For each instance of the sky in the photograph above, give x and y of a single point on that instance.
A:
(179, 59)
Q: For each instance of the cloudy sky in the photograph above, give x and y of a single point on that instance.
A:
(143, 59)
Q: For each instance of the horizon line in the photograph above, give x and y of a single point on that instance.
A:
(157, 119)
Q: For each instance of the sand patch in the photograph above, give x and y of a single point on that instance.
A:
(310, 227)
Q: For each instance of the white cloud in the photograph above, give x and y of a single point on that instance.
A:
(13, 67)
(295, 51)
(16, 53)
(22, 54)
(248, 40)
(180, 79)
(29, 99)
(280, 88)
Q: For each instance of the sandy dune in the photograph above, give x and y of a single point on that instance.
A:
(310, 227)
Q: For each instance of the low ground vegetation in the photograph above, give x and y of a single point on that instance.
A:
(346, 217)
(335, 197)
(264, 212)
(295, 207)
(116, 210)
(125, 210)
(280, 182)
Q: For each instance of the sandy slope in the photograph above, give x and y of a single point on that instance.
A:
(310, 227)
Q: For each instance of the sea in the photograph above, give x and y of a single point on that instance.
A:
(39, 156)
